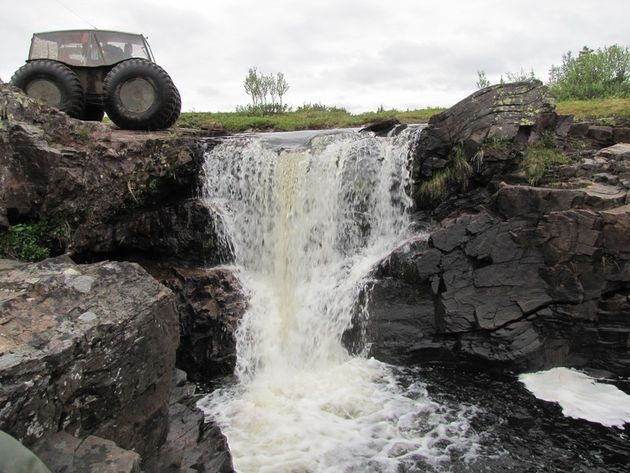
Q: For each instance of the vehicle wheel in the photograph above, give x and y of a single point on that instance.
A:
(140, 95)
(93, 113)
(176, 111)
(52, 82)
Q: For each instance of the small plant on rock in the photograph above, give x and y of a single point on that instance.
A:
(538, 159)
(33, 242)
(457, 174)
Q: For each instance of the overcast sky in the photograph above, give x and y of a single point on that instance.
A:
(358, 54)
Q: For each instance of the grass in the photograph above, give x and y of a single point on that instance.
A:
(305, 118)
(607, 110)
(319, 117)
(538, 159)
(458, 173)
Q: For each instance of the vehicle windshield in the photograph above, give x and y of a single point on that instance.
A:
(89, 48)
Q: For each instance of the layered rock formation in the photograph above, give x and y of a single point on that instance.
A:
(513, 275)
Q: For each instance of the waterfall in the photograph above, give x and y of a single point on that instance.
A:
(307, 224)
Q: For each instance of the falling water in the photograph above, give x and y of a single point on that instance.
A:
(307, 225)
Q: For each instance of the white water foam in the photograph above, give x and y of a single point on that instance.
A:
(307, 227)
(580, 396)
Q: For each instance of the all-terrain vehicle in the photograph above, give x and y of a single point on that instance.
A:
(87, 73)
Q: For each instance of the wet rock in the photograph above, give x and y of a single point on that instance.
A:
(401, 305)
(192, 444)
(89, 350)
(384, 127)
(186, 231)
(210, 303)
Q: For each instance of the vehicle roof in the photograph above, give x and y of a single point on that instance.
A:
(91, 30)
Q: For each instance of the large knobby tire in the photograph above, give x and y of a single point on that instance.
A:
(140, 95)
(176, 111)
(52, 82)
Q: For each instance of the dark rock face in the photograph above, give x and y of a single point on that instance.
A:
(192, 444)
(88, 350)
(182, 231)
(513, 275)
(210, 303)
(528, 292)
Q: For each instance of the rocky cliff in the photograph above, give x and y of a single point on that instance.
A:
(513, 274)
(109, 191)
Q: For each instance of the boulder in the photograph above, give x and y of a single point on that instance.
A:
(490, 129)
(88, 350)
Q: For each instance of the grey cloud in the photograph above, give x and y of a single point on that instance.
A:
(357, 52)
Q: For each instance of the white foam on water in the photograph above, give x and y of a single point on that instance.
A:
(307, 227)
(346, 417)
(580, 396)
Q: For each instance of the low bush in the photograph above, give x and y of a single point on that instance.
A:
(33, 241)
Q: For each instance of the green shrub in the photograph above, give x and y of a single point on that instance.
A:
(33, 242)
(601, 73)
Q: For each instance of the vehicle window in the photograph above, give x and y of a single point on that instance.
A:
(119, 46)
(88, 48)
